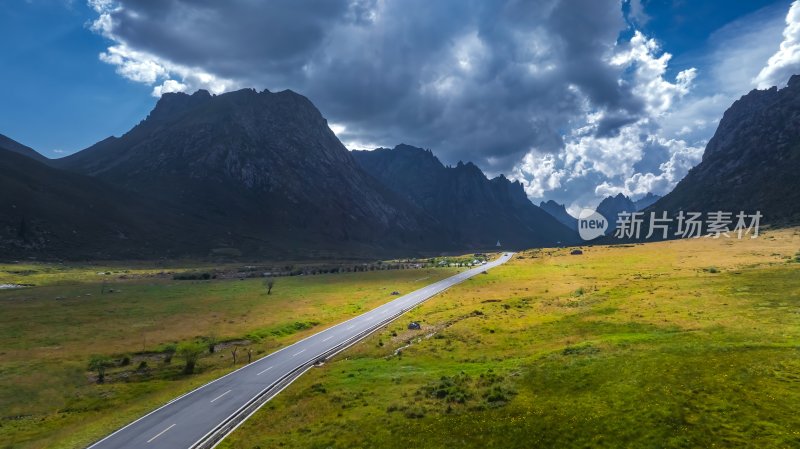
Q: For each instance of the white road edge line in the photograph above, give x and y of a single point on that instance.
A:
(218, 397)
(161, 433)
(262, 372)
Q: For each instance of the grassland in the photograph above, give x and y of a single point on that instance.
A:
(680, 344)
(131, 314)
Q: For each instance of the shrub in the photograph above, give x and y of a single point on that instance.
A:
(498, 395)
(580, 350)
(415, 413)
(211, 341)
(193, 276)
(169, 351)
(99, 364)
(449, 388)
(190, 352)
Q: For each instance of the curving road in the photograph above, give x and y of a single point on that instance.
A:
(201, 418)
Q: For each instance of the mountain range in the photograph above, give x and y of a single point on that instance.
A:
(257, 174)
(610, 207)
(475, 210)
(261, 174)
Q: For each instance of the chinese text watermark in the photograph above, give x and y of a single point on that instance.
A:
(635, 225)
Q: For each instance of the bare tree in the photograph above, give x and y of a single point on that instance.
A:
(233, 352)
(249, 355)
(268, 284)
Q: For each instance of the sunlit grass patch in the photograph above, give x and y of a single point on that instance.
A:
(634, 346)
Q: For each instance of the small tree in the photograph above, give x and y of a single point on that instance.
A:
(268, 284)
(98, 364)
(233, 353)
(190, 352)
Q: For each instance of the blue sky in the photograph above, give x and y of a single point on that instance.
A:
(574, 98)
(57, 94)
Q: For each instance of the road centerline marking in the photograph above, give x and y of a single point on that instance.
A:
(300, 352)
(327, 338)
(262, 372)
(218, 397)
(160, 433)
(351, 326)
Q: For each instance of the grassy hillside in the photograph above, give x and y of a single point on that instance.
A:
(667, 345)
(48, 333)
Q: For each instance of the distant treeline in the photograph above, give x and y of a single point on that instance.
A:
(294, 270)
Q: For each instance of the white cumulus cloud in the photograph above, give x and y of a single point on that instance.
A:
(786, 61)
(635, 160)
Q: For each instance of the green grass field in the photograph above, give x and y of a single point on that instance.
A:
(48, 333)
(679, 344)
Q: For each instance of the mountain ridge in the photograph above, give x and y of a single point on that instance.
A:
(475, 208)
(6, 143)
(559, 212)
(751, 162)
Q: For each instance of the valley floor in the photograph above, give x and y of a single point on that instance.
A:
(681, 344)
(131, 315)
(692, 343)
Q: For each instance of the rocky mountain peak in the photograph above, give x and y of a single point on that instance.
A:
(559, 212)
(172, 105)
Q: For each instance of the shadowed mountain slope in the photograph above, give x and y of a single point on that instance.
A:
(475, 210)
(752, 162)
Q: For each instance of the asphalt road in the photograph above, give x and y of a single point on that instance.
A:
(200, 417)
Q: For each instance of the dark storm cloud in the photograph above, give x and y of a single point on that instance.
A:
(231, 38)
(485, 81)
